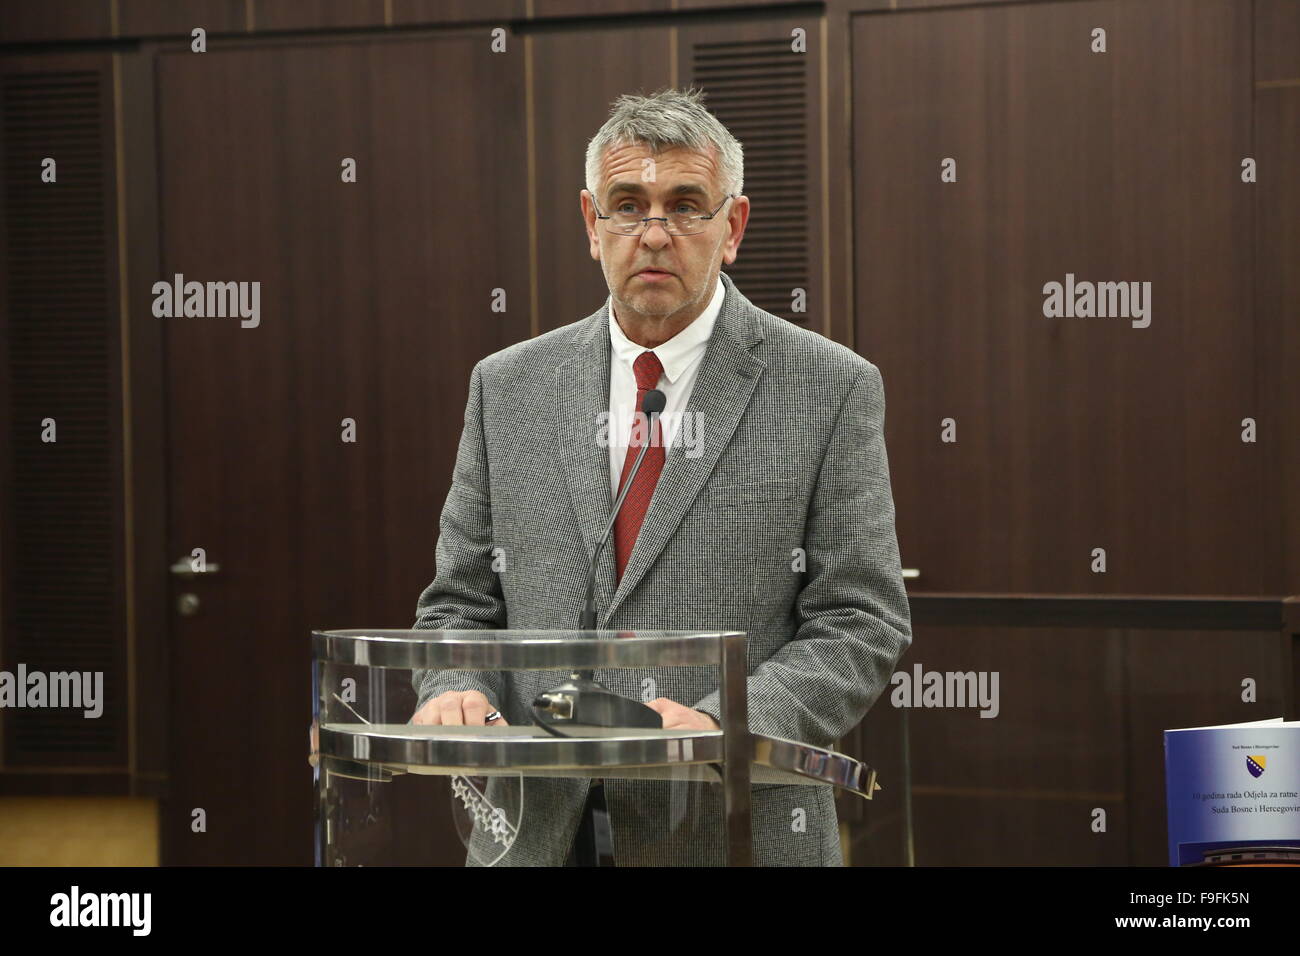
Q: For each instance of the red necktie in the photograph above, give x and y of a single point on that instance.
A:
(627, 526)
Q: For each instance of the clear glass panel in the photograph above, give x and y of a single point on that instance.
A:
(392, 792)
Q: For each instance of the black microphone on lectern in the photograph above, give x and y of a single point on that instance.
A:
(580, 699)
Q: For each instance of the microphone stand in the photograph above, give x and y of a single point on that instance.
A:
(581, 699)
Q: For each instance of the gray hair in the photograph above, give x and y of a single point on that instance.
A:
(664, 120)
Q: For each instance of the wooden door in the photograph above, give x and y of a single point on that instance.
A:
(375, 303)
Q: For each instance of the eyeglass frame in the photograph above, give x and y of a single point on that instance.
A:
(664, 219)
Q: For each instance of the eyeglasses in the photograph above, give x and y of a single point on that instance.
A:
(621, 222)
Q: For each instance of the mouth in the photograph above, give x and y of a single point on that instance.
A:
(653, 275)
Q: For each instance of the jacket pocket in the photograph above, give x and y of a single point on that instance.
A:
(749, 493)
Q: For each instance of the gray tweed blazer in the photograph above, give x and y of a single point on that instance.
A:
(791, 456)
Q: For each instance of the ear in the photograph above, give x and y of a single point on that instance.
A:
(590, 221)
(737, 219)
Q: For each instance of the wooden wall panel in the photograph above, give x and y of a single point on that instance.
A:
(1017, 788)
(922, 4)
(880, 6)
(1072, 433)
(1277, 285)
(1277, 291)
(728, 5)
(1277, 40)
(144, 18)
(1080, 726)
(46, 22)
(316, 14)
(411, 12)
(586, 8)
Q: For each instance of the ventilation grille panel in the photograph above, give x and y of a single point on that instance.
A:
(62, 574)
(759, 91)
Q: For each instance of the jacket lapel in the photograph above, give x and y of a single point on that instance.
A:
(582, 384)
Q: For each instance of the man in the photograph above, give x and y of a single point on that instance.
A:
(772, 514)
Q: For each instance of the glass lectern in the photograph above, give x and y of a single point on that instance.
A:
(391, 792)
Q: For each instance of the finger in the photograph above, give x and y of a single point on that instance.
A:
(429, 714)
(450, 711)
(476, 708)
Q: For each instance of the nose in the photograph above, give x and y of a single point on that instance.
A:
(656, 234)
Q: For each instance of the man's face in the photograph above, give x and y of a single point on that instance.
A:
(688, 265)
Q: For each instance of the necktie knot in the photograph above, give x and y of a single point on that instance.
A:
(648, 368)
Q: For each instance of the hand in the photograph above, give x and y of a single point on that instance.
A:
(457, 708)
(679, 717)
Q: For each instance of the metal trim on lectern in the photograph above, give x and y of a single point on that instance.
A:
(381, 751)
(401, 748)
(526, 650)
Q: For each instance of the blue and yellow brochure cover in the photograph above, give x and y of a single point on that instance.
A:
(1234, 793)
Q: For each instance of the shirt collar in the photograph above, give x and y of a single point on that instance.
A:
(679, 351)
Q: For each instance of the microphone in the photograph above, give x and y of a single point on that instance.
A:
(651, 405)
(580, 700)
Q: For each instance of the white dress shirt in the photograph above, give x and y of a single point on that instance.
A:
(680, 356)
